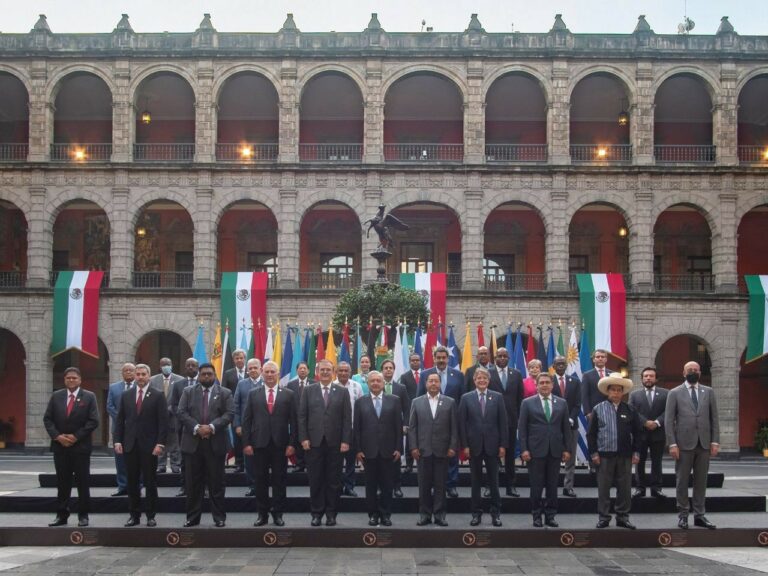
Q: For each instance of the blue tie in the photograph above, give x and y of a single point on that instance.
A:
(442, 382)
(377, 406)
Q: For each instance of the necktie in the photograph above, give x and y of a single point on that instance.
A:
(482, 403)
(139, 400)
(602, 373)
(205, 406)
(649, 393)
(271, 401)
(240, 376)
(442, 382)
(377, 406)
(127, 386)
(190, 381)
(562, 385)
(70, 404)
(388, 388)
(301, 387)
(416, 376)
(325, 395)
(166, 385)
(695, 398)
(504, 378)
(547, 412)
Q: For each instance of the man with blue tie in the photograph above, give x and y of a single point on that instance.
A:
(116, 391)
(509, 383)
(451, 385)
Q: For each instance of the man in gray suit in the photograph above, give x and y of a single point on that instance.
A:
(693, 436)
(434, 439)
(164, 381)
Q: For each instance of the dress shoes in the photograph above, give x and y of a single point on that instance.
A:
(452, 493)
(220, 523)
(132, 521)
(496, 520)
(638, 493)
(658, 494)
(277, 520)
(569, 492)
(537, 523)
(408, 469)
(181, 494)
(386, 521)
(316, 520)
(330, 520)
(349, 492)
(373, 520)
(625, 524)
(683, 523)
(240, 469)
(603, 523)
(423, 521)
(298, 469)
(151, 522)
(475, 520)
(175, 470)
(440, 521)
(120, 493)
(702, 522)
(250, 493)
(161, 470)
(191, 523)
(398, 493)
(82, 521)
(551, 523)
(486, 492)
(58, 521)
(261, 520)
(512, 491)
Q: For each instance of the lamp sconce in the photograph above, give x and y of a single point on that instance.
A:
(623, 231)
(624, 371)
(623, 117)
(141, 232)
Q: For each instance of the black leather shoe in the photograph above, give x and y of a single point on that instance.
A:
(151, 522)
(120, 493)
(702, 522)
(161, 470)
(537, 523)
(373, 521)
(82, 522)
(625, 524)
(569, 492)
(176, 470)
(261, 520)
(277, 520)
(386, 521)
(683, 523)
(486, 492)
(250, 493)
(512, 491)
(398, 493)
(349, 492)
(316, 520)
(551, 523)
(441, 521)
(330, 520)
(408, 469)
(132, 521)
(219, 523)
(603, 523)
(658, 493)
(496, 520)
(423, 521)
(452, 493)
(58, 521)
(475, 520)
(181, 494)
(191, 523)
(638, 493)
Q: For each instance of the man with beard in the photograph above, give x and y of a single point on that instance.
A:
(650, 403)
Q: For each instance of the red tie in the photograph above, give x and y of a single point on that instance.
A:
(139, 400)
(416, 376)
(602, 374)
(70, 404)
(562, 385)
(271, 401)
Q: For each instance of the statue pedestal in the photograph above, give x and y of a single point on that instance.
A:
(381, 255)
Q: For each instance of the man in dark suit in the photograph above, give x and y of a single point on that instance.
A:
(116, 390)
(590, 395)
(378, 425)
(191, 367)
(484, 434)
(244, 387)
(451, 385)
(325, 434)
(391, 386)
(164, 381)
(545, 435)
(484, 360)
(650, 402)
(297, 386)
(229, 380)
(140, 432)
(205, 411)
(70, 419)
(509, 383)
(568, 387)
(410, 379)
(434, 437)
(270, 435)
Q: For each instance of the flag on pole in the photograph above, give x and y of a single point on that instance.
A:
(429, 349)
(453, 351)
(76, 312)
(319, 346)
(285, 367)
(508, 343)
(757, 335)
(244, 296)
(603, 304)
(216, 356)
(226, 357)
(371, 343)
(433, 286)
(397, 356)
(541, 350)
(269, 346)
(200, 354)
(358, 348)
(298, 353)
(258, 342)
(575, 367)
(418, 347)
(551, 352)
(480, 335)
(406, 350)
(494, 344)
(330, 350)
(382, 345)
(530, 352)
(307, 343)
(344, 355)
(277, 354)
(519, 356)
(560, 345)
(244, 344)
(466, 355)
(312, 353)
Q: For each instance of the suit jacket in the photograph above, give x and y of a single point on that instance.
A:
(230, 379)
(116, 390)
(221, 410)
(469, 376)
(157, 382)
(378, 435)
(638, 399)
(332, 423)
(401, 392)
(433, 436)
(240, 395)
(142, 430)
(175, 396)
(590, 395)
(483, 433)
(513, 395)
(454, 383)
(82, 421)
(259, 426)
(688, 427)
(293, 385)
(542, 438)
(573, 396)
(411, 386)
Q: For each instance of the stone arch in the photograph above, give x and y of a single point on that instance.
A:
(613, 71)
(544, 83)
(422, 196)
(700, 329)
(19, 202)
(157, 68)
(409, 70)
(16, 323)
(226, 199)
(345, 198)
(159, 321)
(69, 196)
(747, 204)
(150, 196)
(699, 203)
(710, 82)
(615, 201)
(19, 74)
(54, 84)
(746, 77)
(352, 74)
(227, 73)
(498, 200)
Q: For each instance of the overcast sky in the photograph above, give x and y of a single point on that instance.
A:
(582, 16)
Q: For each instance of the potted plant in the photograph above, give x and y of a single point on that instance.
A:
(761, 437)
(6, 431)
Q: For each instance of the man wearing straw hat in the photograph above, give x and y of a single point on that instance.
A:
(614, 438)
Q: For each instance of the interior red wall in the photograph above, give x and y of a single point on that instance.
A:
(13, 385)
(599, 133)
(753, 399)
(82, 131)
(752, 134)
(166, 132)
(14, 132)
(751, 245)
(253, 131)
(533, 229)
(329, 131)
(13, 246)
(230, 235)
(682, 133)
(78, 251)
(515, 132)
(678, 235)
(601, 227)
(423, 131)
(308, 250)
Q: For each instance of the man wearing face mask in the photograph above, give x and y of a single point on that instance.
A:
(163, 382)
(693, 436)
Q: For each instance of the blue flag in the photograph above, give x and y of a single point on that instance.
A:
(541, 351)
(200, 354)
(417, 345)
(344, 355)
(298, 353)
(584, 358)
(453, 351)
(285, 369)
(508, 343)
(358, 350)
(519, 356)
(307, 344)
(551, 349)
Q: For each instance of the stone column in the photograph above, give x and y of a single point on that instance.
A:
(724, 256)
(121, 238)
(373, 145)
(119, 347)
(472, 238)
(725, 383)
(39, 368)
(641, 115)
(368, 269)
(558, 115)
(289, 114)
(40, 236)
(288, 240)
(205, 240)
(40, 114)
(644, 342)
(641, 239)
(557, 237)
(724, 117)
(205, 129)
(122, 114)
(474, 117)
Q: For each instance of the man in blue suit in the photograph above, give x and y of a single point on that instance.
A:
(451, 385)
(116, 391)
(242, 390)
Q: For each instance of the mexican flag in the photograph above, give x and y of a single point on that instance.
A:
(757, 339)
(433, 287)
(244, 298)
(603, 303)
(76, 312)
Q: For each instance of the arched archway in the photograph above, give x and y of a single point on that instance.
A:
(750, 253)
(752, 121)
(753, 398)
(81, 239)
(163, 246)
(682, 127)
(14, 121)
(247, 239)
(13, 246)
(13, 388)
(165, 119)
(682, 251)
(598, 241)
(82, 119)
(675, 352)
(162, 344)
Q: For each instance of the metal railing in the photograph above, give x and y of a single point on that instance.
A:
(684, 282)
(601, 153)
(171, 279)
(163, 152)
(246, 153)
(753, 155)
(271, 280)
(424, 153)
(516, 283)
(14, 152)
(12, 279)
(81, 153)
(53, 275)
(574, 285)
(328, 281)
(516, 152)
(452, 280)
(684, 154)
(330, 152)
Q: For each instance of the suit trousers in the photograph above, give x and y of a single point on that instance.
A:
(348, 476)
(378, 477)
(204, 468)
(270, 469)
(614, 470)
(476, 473)
(171, 451)
(141, 467)
(72, 466)
(656, 448)
(120, 472)
(432, 475)
(397, 468)
(238, 450)
(694, 461)
(543, 474)
(509, 460)
(324, 471)
(570, 465)
(250, 470)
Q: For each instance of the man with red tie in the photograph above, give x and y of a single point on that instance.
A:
(410, 379)
(590, 395)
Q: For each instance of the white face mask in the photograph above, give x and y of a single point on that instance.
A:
(166, 370)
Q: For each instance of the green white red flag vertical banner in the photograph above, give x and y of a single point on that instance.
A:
(603, 303)
(244, 300)
(76, 312)
(757, 337)
(433, 285)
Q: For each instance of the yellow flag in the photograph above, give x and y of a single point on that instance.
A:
(277, 354)
(493, 341)
(216, 357)
(330, 349)
(466, 354)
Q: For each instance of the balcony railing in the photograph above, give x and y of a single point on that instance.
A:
(246, 153)
(426, 153)
(12, 279)
(684, 154)
(599, 153)
(81, 153)
(684, 282)
(172, 279)
(515, 153)
(574, 285)
(336, 153)
(14, 152)
(164, 152)
(328, 281)
(516, 283)
(753, 155)
(53, 275)
(271, 280)
(452, 280)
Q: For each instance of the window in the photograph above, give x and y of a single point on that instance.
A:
(497, 266)
(337, 264)
(416, 257)
(699, 265)
(263, 262)
(578, 264)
